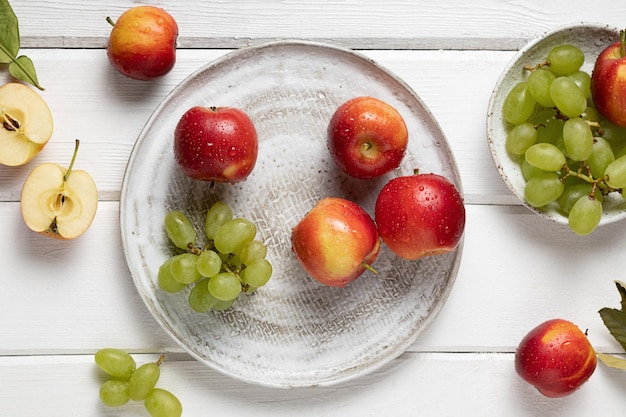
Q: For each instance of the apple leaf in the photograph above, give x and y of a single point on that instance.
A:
(614, 319)
(612, 361)
(9, 33)
(23, 69)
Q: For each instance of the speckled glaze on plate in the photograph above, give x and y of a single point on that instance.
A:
(294, 331)
(591, 39)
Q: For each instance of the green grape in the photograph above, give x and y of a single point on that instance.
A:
(209, 263)
(520, 138)
(615, 173)
(549, 130)
(143, 381)
(545, 156)
(543, 189)
(233, 235)
(179, 229)
(183, 268)
(616, 135)
(601, 156)
(166, 279)
(115, 362)
(572, 193)
(529, 170)
(218, 214)
(565, 59)
(518, 104)
(200, 299)
(539, 86)
(114, 393)
(255, 249)
(568, 98)
(583, 81)
(162, 403)
(578, 139)
(225, 286)
(223, 305)
(585, 215)
(257, 273)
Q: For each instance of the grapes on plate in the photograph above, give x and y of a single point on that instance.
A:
(570, 156)
(232, 262)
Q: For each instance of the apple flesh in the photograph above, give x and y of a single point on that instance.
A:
(367, 137)
(216, 144)
(608, 82)
(336, 241)
(27, 124)
(59, 202)
(142, 43)
(420, 215)
(556, 358)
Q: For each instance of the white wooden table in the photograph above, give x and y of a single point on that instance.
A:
(62, 301)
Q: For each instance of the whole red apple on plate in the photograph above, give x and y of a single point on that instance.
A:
(142, 43)
(367, 137)
(420, 215)
(556, 358)
(608, 82)
(216, 144)
(336, 241)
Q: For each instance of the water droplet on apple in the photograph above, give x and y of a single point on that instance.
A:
(232, 151)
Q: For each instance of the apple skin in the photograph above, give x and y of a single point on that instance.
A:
(556, 358)
(367, 137)
(608, 84)
(420, 215)
(216, 144)
(142, 43)
(336, 241)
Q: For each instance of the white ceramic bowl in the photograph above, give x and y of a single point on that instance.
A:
(293, 331)
(591, 39)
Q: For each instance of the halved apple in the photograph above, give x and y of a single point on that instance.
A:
(59, 202)
(27, 124)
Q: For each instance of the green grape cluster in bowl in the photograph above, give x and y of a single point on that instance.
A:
(231, 263)
(571, 158)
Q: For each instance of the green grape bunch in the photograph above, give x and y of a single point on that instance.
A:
(570, 156)
(233, 262)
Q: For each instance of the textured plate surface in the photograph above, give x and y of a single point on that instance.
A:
(294, 331)
(591, 39)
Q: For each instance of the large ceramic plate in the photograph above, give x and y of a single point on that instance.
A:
(591, 39)
(294, 331)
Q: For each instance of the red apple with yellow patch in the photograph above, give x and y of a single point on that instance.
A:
(608, 82)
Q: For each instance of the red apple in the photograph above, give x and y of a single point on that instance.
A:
(608, 82)
(367, 137)
(556, 358)
(142, 44)
(336, 241)
(420, 215)
(217, 144)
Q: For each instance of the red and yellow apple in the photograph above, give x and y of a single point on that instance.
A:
(608, 82)
(142, 43)
(367, 137)
(216, 144)
(27, 124)
(59, 202)
(420, 215)
(336, 241)
(556, 358)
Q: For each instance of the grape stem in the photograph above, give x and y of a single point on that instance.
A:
(596, 183)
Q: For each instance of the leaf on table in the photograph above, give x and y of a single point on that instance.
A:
(612, 361)
(614, 319)
(23, 69)
(9, 33)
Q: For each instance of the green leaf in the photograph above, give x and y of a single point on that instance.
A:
(612, 361)
(9, 33)
(23, 69)
(614, 319)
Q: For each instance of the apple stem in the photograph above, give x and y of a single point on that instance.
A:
(369, 267)
(69, 169)
(111, 22)
(622, 43)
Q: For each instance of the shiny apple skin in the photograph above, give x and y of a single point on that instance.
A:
(142, 43)
(556, 358)
(367, 137)
(216, 144)
(608, 85)
(334, 240)
(420, 215)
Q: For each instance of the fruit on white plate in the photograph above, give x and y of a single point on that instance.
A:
(27, 124)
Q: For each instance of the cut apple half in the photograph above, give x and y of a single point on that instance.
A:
(27, 124)
(59, 202)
